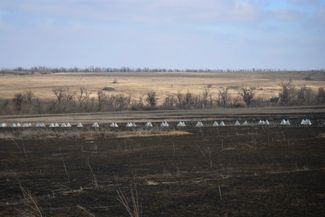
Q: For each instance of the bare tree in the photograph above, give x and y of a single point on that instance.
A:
(236, 102)
(69, 95)
(320, 98)
(186, 101)
(137, 104)
(59, 94)
(223, 97)
(206, 98)
(18, 101)
(180, 100)
(169, 102)
(64, 98)
(83, 96)
(247, 95)
(305, 95)
(152, 99)
(120, 102)
(189, 100)
(287, 93)
(100, 98)
(4, 105)
(28, 97)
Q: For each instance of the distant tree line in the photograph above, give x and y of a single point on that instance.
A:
(46, 70)
(66, 101)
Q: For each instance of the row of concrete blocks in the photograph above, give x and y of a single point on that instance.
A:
(164, 124)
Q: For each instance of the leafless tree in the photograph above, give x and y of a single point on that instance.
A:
(206, 98)
(223, 97)
(287, 93)
(28, 97)
(137, 104)
(64, 98)
(189, 100)
(120, 102)
(305, 95)
(180, 100)
(169, 102)
(247, 95)
(59, 94)
(69, 95)
(152, 99)
(186, 101)
(18, 101)
(83, 96)
(320, 98)
(100, 98)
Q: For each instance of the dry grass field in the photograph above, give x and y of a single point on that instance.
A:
(205, 172)
(138, 84)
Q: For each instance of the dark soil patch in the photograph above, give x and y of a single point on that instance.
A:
(261, 172)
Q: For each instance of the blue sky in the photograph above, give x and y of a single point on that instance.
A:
(223, 34)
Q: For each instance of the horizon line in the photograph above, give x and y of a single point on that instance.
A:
(144, 69)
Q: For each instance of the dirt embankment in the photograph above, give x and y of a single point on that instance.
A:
(314, 112)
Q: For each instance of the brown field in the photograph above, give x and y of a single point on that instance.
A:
(203, 172)
(138, 84)
(208, 172)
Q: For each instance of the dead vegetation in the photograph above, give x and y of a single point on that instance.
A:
(61, 93)
(86, 134)
(130, 201)
(210, 171)
(30, 208)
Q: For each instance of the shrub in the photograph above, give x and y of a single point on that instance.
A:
(151, 99)
(247, 95)
(320, 97)
(109, 89)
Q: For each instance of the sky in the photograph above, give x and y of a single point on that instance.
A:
(197, 34)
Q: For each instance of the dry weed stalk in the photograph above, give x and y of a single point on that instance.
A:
(174, 150)
(85, 211)
(66, 170)
(94, 180)
(220, 193)
(206, 153)
(130, 202)
(22, 149)
(221, 144)
(31, 206)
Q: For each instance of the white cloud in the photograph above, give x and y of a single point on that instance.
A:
(129, 10)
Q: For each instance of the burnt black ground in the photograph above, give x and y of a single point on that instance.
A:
(261, 171)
